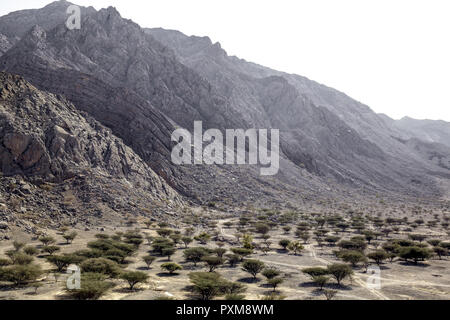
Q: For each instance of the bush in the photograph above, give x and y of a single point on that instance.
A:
(378, 256)
(284, 243)
(243, 252)
(47, 240)
(440, 251)
(21, 274)
(321, 281)
(208, 284)
(274, 283)
(203, 238)
(351, 256)
(253, 267)
(159, 244)
(171, 267)
(195, 255)
(415, 254)
(21, 259)
(262, 228)
(5, 262)
(339, 271)
(18, 245)
(295, 247)
(93, 286)
(212, 262)
(186, 240)
(134, 277)
(271, 273)
(101, 265)
(63, 261)
(220, 252)
(168, 252)
(315, 271)
(50, 249)
(31, 251)
(69, 237)
(233, 259)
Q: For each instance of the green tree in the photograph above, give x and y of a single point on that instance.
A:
(186, 240)
(93, 286)
(148, 259)
(295, 247)
(253, 267)
(203, 237)
(168, 252)
(339, 271)
(31, 251)
(315, 271)
(284, 243)
(212, 262)
(50, 249)
(171, 267)
(101, 265)
(69, 237)
(195, 254)
(378, 256)
(321, 281)
(270, 273)
(275, 282)
(47, 240)
(63, 261)
(440, 251)
(20, 274)
(208, 284)
(415, 253)
(352, 256)
(134, 277)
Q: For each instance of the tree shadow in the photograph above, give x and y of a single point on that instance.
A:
(167, 274)
(128, 290)
(144, 268)
(412, 264)
(249, 280)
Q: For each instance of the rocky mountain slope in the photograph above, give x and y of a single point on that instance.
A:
(67, 156)
(141, 84)
(426, 130)
(376, 140)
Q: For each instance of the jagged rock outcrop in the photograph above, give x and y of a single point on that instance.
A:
(45, 139)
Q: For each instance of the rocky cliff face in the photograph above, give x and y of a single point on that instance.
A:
(45, 140)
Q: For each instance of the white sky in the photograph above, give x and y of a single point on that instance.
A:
(393, 55)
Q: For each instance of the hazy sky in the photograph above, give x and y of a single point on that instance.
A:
(393, 55)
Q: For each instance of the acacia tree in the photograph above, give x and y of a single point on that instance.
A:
(171, 267)
(284, 243)
(195, 255)
(295, 247)
(148, 259)
(134, 277)
(253, 267)
(212, 262)
(378, 256)
(69, 237)
(339, 271)
(208, 284)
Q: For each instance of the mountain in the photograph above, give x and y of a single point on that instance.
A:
(143, 83)
(236, 78)
(426, 130)
(71, 162)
